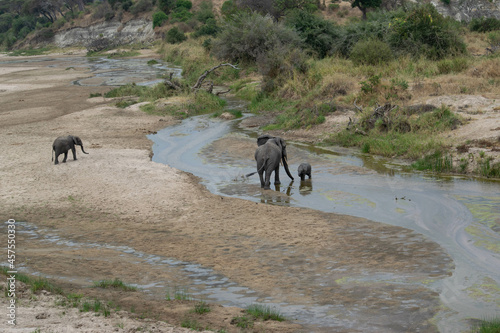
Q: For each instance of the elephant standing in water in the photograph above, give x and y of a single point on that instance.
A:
(268, 155)
(304, 170)
(62, 144)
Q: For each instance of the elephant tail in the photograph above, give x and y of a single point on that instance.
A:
(259, 170)
(52, 153)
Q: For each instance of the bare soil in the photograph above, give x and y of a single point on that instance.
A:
(116, 195)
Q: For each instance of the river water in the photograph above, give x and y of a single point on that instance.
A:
(461, 215)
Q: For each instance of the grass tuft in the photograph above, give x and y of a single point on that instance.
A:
(264, 312)
(116, 283)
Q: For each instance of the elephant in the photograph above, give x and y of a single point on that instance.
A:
(304, 170)
(270, 151)
(62, 144)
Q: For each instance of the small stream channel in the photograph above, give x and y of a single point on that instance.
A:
(461, 215)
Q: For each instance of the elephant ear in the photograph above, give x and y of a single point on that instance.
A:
(75, 139)
(261, 140)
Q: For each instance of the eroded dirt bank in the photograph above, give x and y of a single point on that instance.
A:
(116, 196)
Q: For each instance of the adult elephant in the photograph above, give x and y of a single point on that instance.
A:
(271, 150)
(62, 144)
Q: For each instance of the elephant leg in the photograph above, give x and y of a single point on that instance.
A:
(73, 150)
(56, 159)
(261, 176)
(65, 157)
(302, 177)
(267, 184)
(277, 175)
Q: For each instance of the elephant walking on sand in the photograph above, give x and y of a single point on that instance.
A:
(62, 144)
(268, 155)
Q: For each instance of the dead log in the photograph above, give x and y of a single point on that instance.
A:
(205, 74)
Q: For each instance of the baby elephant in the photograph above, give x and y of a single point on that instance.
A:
(304, 169)
(62, 144)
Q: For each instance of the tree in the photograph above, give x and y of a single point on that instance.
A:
(363, 5)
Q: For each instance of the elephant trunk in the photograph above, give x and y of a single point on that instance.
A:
(285, 165)
(83, 150)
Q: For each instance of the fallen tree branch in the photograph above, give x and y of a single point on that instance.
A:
(205, 74)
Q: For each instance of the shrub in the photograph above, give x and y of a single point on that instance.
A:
(484, 24)
(175, 36)
(208, 29)
(158, 18)
(103, 10)
(166, 6)
(205, 12)
(250, 35)
(184, 4)
(180, 14)
(371, 52)
(423, 31)
(142, 6)
(347, 36)
(318, 33)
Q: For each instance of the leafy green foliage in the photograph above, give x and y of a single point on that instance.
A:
(180, 14)
(205, 12)
(318, 34)
(249, 36)
(371, 52)
(166, 5)
(423, 31)
(484, 24)
(376, 27)
(184, 4)
(158, 18)
(210, 28)
(175, 36)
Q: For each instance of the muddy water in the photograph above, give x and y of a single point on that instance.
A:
(461, 215)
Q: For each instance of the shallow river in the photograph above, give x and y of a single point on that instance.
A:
(461, 215)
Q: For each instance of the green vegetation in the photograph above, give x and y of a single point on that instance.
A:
(116, 283)
(487, 326)
(36, 284)
(264, 312)
(180, 294)
(257, 312)
(202, 307)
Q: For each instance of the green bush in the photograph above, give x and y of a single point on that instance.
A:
(208, 29)
(376, 27)
(249, 36)
(166, 6)
(184, 4)
(423, 31)
(205, 12)
(158, 18)
(371, 52)
(180, 14)
(175, 36)
(484, 24)
(317, 33)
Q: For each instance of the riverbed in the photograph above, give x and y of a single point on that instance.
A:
(365, 245)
